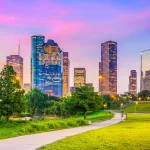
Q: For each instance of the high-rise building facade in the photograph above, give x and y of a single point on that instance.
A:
(72, 89)
(65, 76)
(100, 77)
(145, 70)
(46, 66)
(90, 85)
(27, 87)
(79, 77)
(133, 82)
(108, 68)
(16, 62)
(37, 42)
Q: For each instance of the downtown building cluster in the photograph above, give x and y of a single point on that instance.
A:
(50, 69)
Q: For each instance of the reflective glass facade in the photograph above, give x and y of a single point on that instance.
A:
(65, 77)
(133, 82)
(46, 66)
(108, 68)
(16, 62)
(79, 77)
(145, 70)
(100, 77)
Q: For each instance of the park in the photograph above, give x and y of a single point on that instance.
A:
(83, 120)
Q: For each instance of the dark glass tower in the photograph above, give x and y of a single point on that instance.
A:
(46, 66)
(133, 82)
(108, 68)
(37, 42)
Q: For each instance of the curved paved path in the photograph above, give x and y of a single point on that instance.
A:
(32, 142)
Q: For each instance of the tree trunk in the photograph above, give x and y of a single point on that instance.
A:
(84, 115)
(7, 118)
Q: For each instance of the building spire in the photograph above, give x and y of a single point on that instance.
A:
(19, 47)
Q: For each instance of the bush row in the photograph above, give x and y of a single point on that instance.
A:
(36, 127)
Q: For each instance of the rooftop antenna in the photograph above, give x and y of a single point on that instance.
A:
(19, 47)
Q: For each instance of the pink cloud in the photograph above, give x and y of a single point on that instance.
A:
(7, 19)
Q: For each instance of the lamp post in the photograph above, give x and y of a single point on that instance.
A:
(104, 106)
(121, 105)
(136, 105)
(121, 111)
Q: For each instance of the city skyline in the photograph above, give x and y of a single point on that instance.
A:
(80, 35)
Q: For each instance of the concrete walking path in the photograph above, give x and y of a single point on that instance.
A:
(34, 141)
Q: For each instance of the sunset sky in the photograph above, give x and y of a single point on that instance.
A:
(79, 27)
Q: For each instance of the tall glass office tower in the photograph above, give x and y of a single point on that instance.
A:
(133, 82)
(37, 42)
(16, 62)
(46, 66)
(108, 68)
(145, 70)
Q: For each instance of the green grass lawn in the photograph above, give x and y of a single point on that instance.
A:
(18, 128)
(132, 134)
(140, 107)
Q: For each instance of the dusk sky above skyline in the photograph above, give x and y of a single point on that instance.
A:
(79, 27)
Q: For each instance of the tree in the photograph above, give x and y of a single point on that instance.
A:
(36, 101)
(85, 99)
(144, 95)
(11, 95)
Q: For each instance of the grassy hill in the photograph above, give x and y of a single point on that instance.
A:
(143, 107)
(132, 134)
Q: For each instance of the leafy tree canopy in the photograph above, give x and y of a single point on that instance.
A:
(11, 95)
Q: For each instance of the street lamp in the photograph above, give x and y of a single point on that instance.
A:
(136, 105)
(105, 106)
(121, 105)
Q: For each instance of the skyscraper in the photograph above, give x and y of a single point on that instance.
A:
(90, 85)
(72, 89)
(37, 42)
(145, 70)
(108, 68)
(27, 87)
(79, 77)
(46, 66)
(133, 82)
(100, 77)
(16, 62)
(65, 77)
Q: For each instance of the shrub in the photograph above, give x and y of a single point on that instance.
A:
(29, 129)
(63, 124)
(39, 127)
(71, 123)
(53, 125)
(22, 130)
(82, 122)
